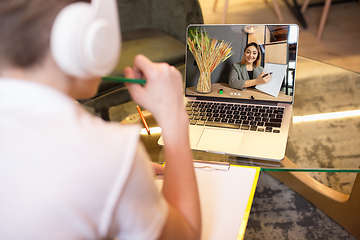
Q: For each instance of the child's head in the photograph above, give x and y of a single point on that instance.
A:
(76, 42)
(25, 27)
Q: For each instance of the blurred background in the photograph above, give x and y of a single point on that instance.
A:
(339, 44)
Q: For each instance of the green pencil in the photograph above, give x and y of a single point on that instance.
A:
(122, 79)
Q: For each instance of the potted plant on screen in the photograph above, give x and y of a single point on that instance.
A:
(208, 54)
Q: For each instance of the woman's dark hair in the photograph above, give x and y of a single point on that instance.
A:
(258, 59)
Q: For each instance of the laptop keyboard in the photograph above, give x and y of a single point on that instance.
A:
(237, 116)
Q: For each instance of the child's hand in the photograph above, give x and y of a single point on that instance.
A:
(158, 168)
(162, 94)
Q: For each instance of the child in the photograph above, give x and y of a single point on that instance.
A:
(65, 174)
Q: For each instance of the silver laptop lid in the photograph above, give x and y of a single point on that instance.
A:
(214, 50)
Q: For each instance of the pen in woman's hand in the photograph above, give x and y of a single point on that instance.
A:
(267, 74)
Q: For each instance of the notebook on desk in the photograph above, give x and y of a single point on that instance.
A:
(251, 122)
(226, 194)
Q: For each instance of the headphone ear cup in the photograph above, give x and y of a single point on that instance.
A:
(85, 38)
(65, 37)
(101, 46)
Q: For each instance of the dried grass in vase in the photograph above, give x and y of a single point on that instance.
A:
(208, 54)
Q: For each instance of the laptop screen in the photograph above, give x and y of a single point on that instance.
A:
(241, 62)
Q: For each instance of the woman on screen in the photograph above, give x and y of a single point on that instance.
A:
(248, 72)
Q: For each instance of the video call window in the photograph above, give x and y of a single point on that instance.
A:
(277, 46)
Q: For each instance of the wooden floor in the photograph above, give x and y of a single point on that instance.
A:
(340, 42)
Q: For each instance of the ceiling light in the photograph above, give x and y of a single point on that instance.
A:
(251, 28)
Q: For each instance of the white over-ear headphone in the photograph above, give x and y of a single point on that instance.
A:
(86, 38)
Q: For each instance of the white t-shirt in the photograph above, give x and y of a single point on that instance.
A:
(65, 174)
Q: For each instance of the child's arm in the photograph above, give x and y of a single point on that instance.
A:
(162, 95)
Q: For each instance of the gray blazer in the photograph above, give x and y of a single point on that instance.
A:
(238, 75)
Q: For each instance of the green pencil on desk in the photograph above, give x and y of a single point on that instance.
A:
(123, 79)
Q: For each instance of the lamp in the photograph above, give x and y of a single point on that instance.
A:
(251, 28)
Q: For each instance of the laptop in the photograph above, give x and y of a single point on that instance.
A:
(250, 122)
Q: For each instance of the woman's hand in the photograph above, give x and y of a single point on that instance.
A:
(262, 80)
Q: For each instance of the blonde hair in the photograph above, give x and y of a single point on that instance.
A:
(258, 59)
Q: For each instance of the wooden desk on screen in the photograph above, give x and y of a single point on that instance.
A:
(229, 92)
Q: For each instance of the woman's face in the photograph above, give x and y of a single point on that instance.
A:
(251, 54)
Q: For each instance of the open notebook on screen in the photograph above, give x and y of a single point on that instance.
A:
(233, 110)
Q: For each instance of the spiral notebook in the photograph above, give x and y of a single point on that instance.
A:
(226, 194)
